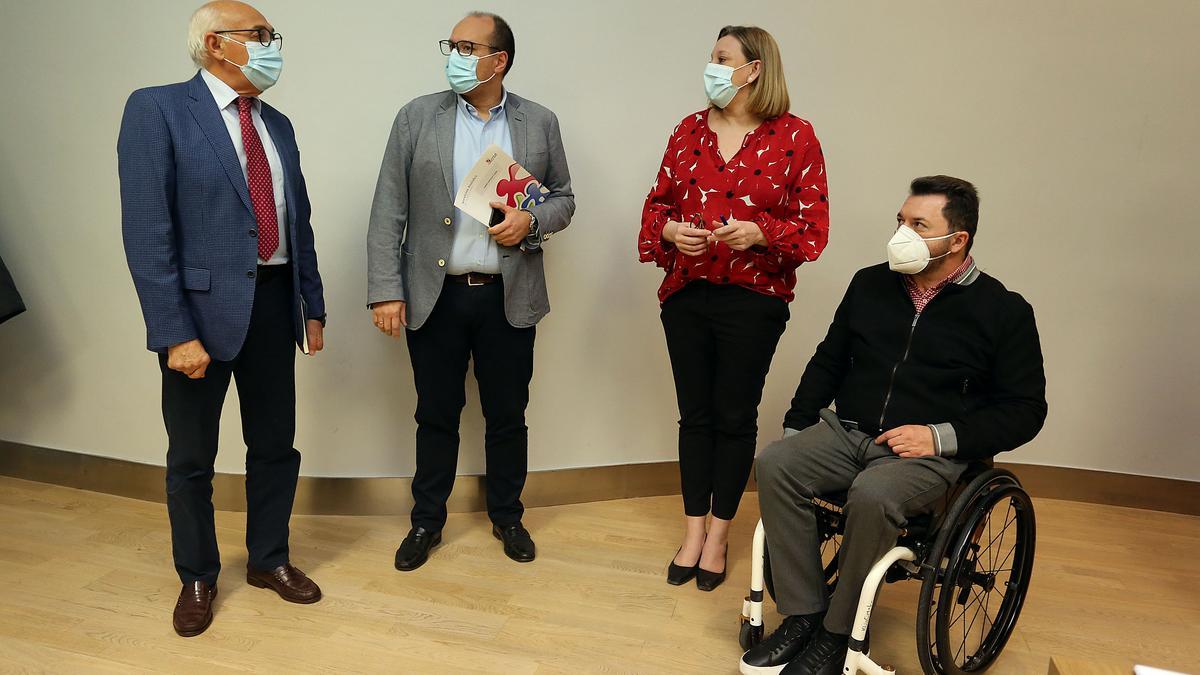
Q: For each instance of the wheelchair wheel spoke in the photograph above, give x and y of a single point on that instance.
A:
(987, 619)
(989, 535)
(979, 607)
(1010, 517)
(966, 608)
(955, 619)
(958, 653)
(974, 602)
(999, 539)
(1008, 557)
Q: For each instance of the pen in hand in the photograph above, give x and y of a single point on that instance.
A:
(724, 223)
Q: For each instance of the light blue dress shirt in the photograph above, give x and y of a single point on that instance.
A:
(473, 249)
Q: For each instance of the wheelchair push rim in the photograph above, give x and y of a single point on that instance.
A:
(977, 577)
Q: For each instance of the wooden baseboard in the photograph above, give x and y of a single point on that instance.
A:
(393, 496)
(1106, 487)
(336, 496)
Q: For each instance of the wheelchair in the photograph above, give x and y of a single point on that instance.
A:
(973, 555)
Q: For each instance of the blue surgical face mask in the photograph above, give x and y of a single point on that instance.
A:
(718, 83)
(460, 72)
(264, 64)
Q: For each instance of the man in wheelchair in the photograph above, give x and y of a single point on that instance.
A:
(930, 364)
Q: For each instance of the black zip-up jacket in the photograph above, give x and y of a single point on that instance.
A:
(971, 360)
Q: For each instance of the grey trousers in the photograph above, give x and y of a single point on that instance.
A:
(884, 491)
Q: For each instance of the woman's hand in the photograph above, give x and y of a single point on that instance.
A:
(689, 240)
(739, 235)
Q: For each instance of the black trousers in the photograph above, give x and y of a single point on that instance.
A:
(266, 383)
(468, 322)
(721, 339)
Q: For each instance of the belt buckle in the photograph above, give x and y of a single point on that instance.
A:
(471, 280)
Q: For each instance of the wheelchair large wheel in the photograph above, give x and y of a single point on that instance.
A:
(976, 576)
(831, 543)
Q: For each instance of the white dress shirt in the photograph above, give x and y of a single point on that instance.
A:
(226, 99)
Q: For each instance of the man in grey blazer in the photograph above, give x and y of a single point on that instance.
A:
(458, 289)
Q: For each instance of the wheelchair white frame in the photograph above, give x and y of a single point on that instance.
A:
(856, 660)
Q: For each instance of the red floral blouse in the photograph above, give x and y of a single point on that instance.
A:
(776, 180)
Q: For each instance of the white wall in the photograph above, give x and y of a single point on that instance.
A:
(1077, 120)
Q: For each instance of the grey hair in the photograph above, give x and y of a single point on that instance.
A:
(204, 21)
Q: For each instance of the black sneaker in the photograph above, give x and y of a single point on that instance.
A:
(824, 655)
(786, 643)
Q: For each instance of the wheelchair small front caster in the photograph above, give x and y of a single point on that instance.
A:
(749, 635)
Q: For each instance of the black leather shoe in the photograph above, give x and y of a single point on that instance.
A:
(824, 655)
(707, 581)
(677, 575)
(414, 550)
(781, 647)
(518, 545)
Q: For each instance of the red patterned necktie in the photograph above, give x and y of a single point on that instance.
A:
(262, 190)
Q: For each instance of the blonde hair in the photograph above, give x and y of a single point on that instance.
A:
(768, 93)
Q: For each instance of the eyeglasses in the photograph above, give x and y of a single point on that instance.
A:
(464, 47)
(264, 36)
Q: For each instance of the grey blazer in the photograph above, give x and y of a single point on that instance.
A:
(410, 234)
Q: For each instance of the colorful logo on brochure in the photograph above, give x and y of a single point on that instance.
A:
(520, 193)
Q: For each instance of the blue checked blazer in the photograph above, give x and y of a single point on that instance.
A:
(188, 224)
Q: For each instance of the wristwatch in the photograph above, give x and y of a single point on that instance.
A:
(533, 223)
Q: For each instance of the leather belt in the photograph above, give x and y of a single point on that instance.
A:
(474, 278)
(268, 272)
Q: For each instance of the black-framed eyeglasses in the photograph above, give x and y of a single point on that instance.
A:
(264, 36)
(464, 47)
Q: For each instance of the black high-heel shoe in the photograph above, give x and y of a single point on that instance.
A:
(707, 581)
(678, 575)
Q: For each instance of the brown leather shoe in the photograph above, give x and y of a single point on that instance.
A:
(193, 609)
(289, 582)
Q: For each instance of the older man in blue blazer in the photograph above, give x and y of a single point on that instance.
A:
(215, 218)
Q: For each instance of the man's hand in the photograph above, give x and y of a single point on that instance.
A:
(911, 440)
(689, 240)
(739, 235)
(514, 228)
(189, 358)
(390, 317)
(316, 336)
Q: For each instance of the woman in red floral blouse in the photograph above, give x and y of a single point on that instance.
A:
(739, 203)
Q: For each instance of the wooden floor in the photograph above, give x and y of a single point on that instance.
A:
(86, 584)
